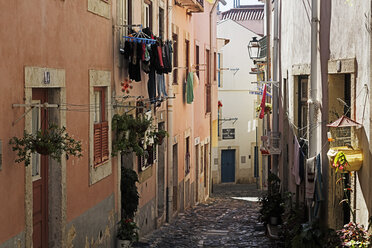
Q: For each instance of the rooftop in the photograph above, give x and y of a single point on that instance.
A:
(245, 12)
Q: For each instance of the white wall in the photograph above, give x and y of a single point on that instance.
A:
(235, 97)
(350, 38)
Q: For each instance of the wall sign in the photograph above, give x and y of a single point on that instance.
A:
(228, 133)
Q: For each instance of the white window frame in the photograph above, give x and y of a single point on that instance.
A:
(37, 176)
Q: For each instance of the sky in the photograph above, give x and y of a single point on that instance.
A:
(230, 3)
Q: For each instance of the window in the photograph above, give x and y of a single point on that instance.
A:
(302, 106)
(129, 14)
(219, 69)
(147, 14)
(36, 126)
(243, 159)
(175, 58)
(202, 159)
(205, 164)
(197, 61)
(161, 23)
(147, 159)
(207, 84)
(101, 150)
(187, 156)
(187, 57)
(208, 80)
(214, 66)
(1, 154)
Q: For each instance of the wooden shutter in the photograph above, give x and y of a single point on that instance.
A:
(104, 140)
(97, 144)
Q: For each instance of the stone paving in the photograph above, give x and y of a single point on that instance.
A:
(220, 222)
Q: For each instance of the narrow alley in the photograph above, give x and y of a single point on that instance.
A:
(228, 219)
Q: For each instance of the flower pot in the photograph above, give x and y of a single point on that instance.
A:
(42, 149)
(274, 220)
(159, 139)
(353, 157)
(123, 243)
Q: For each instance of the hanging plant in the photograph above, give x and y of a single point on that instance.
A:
(130, 133)
(133, 134)
(159, 136)
(53, 142)
(340, 161)
(268, 108)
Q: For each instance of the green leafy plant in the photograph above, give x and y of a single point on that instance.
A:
(130, 134)
(311, 235)
(128, 230)
(159, 136)
(53, 142)
(133, 134)
(268, 108)
(272, 204)
(340, 161)
(130, 196)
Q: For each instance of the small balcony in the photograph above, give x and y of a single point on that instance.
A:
(192, 6)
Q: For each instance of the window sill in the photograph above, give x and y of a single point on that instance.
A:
(100, 164)
(100, 171)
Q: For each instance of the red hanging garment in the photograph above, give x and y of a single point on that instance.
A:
(263, 103)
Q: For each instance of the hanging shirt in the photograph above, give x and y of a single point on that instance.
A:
(189, 88)
(296, 162)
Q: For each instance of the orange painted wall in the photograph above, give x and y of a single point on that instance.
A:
(192, 115)
(56, 34)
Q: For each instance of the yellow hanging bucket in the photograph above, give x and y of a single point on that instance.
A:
(354, 158)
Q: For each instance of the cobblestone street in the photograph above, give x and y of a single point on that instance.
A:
(220, 222)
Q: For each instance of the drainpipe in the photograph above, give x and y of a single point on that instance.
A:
(275, 87)
(313, 80)
(313, 83)
(211, 96)
(169, 189)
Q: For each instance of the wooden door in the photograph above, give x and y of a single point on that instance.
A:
(40, 175)
(228, 166)
(197, 173)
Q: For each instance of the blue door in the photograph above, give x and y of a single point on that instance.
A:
(228, 166)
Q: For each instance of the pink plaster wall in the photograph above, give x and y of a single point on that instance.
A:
(56, 34)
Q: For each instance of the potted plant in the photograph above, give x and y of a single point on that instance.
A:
(127, 231)
(268, 108)
(159, 136)
(53, 142)
(272, 204)
(354, 235)
(130, 134)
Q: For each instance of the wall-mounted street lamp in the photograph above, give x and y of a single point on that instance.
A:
(254, 48)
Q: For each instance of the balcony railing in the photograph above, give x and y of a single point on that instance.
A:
(192, 6)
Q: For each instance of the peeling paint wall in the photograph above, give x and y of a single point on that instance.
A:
(94, 228)
(17, 241)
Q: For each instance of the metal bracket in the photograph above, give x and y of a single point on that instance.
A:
(32, 105)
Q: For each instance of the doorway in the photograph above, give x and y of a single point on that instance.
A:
(197, 173)
(228, 166)
(40, 174)
(161, 174)
(175, 177)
